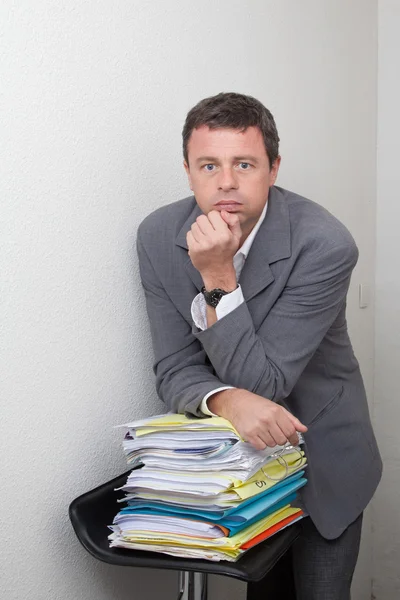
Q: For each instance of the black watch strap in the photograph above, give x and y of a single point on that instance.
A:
(213, 297)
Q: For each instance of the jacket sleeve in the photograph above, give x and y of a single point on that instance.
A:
(269, 361)
(184, 374)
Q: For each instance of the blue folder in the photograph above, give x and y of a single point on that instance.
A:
(161, 507)
(245, 514)
(254, 511)
(233, 529)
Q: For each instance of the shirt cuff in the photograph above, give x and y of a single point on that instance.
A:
(227, 304)
(199, 312)
(203, 406)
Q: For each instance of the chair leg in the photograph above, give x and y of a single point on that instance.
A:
(192, 586)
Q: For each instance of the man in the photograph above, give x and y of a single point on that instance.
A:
(246, 287)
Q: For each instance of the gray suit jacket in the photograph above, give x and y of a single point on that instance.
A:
(287, 342)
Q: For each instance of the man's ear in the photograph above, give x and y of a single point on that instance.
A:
(274, 170)
(187, 169)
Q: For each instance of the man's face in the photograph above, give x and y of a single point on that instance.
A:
(229, 170)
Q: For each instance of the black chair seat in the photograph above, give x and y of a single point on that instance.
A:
(93, 511)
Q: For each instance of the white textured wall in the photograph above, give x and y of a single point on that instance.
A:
(387, 357)
(93, 96)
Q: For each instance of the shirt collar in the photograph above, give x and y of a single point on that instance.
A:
(245, 248)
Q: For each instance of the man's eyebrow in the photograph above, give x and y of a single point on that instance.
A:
(244, 158)
(206, 159)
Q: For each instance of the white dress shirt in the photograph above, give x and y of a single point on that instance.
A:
(228, 303)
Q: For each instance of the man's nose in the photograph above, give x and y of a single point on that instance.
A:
(227, 180)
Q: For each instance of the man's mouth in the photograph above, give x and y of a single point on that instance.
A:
(228, 205)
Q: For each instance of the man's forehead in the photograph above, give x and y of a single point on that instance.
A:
(205, 139)
(215, 132)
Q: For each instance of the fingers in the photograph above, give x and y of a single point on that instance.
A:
(277, 432)
(288, 430)
(191, 241)
(298, 425)
(205, 225)
(292, 438)
(263, 422)
(233, 223)
(211, 230)
(216, 220)
(258, 443)
(231, 219)
(216, 223)
(196, 232)
(271, 437)
(278, 436)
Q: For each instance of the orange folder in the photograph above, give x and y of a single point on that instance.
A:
(270, 531)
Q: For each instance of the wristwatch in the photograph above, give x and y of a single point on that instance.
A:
(213, 297)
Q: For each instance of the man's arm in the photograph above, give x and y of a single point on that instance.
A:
(270, 361)
(184, 375)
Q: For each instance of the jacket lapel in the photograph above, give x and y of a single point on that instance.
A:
(272, 243)
(181, 241)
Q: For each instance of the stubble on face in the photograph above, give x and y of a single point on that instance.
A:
(229, 170)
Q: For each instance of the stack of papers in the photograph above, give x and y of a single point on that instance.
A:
(199, 491)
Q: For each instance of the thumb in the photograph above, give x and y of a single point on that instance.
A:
(298, 424)
(233, 222)
(295, 421)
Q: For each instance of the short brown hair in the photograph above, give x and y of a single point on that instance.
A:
(233, 111)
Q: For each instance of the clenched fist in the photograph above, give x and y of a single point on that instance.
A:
(258, 420)
(212, 242)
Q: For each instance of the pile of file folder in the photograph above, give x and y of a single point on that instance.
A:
(197, 490)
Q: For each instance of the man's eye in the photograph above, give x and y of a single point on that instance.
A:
(209, 167)
(244, 165)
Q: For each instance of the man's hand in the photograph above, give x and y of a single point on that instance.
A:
(213, 241)
(258, 420)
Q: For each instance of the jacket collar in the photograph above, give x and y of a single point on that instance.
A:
(272, 243)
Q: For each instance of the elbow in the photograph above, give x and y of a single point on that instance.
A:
(272, 384)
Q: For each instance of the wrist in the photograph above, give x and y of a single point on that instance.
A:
(222, 403)
(225, 280)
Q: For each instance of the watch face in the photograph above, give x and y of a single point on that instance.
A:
(213, 297)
